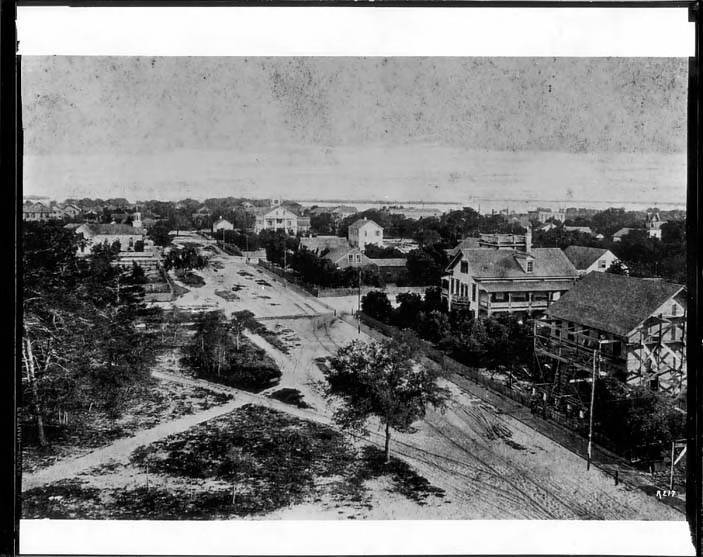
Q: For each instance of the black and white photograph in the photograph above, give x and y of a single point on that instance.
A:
(353, 288)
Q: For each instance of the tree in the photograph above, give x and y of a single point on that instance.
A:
(409, 306)
(377, 305)
(383, 379)
(159, 233)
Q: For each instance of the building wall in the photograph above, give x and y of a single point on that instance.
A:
(223, 225)
(601, 264)
(368, 233)
(277, 219)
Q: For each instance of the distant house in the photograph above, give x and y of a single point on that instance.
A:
(95, 234)
(201, 216)
(635, 326)
(547, 227)
(303, 225)
(277, 217)
(343, 211)
(493, 280)
(222, 224)
(581, 229)
(403, 245)
(36, 212)
(347, 257)
(318, 244)
(70, 210)
(587, 259)
(392, 269)
(543, 215)
(654, 224)
(363, 232)
(620, 234)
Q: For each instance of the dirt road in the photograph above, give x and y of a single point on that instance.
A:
(491, 465)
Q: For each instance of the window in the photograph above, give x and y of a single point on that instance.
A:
(378, 232)
(351, 258)
(358, 258)
(473, 292)
(465, 267)
(601, 264)
(529, 266)
(674, 309)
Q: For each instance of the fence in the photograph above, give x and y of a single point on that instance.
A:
(532, 401)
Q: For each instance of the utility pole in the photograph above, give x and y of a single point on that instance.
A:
(590, 413)
(358, 311)
(284, 263)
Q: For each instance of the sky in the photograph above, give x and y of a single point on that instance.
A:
(436, 129)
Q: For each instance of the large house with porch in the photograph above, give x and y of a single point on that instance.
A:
(633, 329)
(279, 217)
(508, 277)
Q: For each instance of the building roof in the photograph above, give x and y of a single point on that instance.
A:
(356, 225)
(613, 303)
(623, 232)
(466, 243)
(337, 254)
(319, 243)
(94, 229)
(345, 209)
(583, 257)
(35, 208)
(390, 262)
(487, 263)
(582, 229)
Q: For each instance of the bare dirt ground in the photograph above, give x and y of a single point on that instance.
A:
(490, 465)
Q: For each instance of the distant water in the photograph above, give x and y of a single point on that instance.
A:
(373, 175)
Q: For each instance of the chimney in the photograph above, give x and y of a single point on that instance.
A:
(528, 239)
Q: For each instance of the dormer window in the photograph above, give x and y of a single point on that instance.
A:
(530, 266)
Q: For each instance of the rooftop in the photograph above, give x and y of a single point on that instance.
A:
(583, 257)
(613, 303)
(502, 264)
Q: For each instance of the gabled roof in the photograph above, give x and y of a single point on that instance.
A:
(94, 229)
(37, 207)
(345, 209)
(356, 225)
(582, 229)
(623, 232)
(319, 243)
(466, 243)
(487, 263)
(583, 257)
(390, 262)
(337, 254)
(613, 303)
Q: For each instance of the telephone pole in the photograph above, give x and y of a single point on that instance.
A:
(358, 308)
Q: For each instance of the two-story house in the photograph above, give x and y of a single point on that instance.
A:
(633, 329)
(276, 217)
(489, 280)
(363, 232)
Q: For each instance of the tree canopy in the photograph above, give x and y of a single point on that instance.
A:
(385, 380)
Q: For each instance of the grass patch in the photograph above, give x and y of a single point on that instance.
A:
(247, 463)
(157, 402)
(189, 278)
(290, 396)
(406, 481)
(226, 295)
(248, 321)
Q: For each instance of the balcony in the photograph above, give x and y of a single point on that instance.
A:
(514, 305)
(461, 301)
